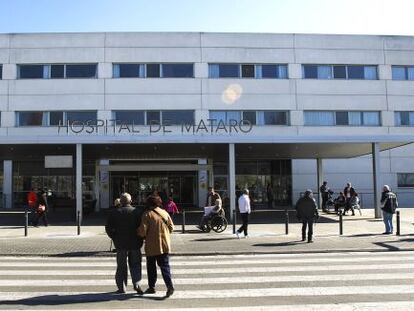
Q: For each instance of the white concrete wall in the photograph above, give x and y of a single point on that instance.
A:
(295, 94)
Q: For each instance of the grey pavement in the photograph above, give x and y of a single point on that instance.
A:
(361, 233)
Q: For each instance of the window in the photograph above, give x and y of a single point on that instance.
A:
(30, 118)
(272, 117)
(153, 117)
(177, 70)
(57, 71)
(177, 117)
(1, 72)
(153, 70)
(56, 118)
(30, 71)
(80, 116)
(81, 71)
(342, 118)
(247, 71)
(339, 72)
(404, 118)
(128, 70)
(258, 71)
(403, 72)
(130, 117)
(225, 116)
(405, 180)
(250, 116)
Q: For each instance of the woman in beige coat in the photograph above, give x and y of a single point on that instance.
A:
(156, 227)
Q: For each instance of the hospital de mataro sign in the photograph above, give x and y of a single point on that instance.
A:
(112, 126)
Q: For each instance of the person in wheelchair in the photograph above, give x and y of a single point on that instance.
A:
(210, 212)
(353, 204)
(340, 202)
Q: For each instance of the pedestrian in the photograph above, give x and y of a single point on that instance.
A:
(32, 204)
(244, 209)
(324, 191)
(269, 194)
(121, 227)
(41, 209)
(156, 228)
(349, 192)
(171, 207)
(307, 213)
(389, 204)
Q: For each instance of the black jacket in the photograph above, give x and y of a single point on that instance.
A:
(121, 227)
(389, 200)
(306, 209)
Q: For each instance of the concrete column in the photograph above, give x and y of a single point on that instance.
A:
(202, 183)
(376, 173)
(8, 183)
(104, 184)
(232, 180)
(319, 173)
(79, 180)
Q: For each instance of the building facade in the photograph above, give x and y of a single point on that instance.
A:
(90, 115)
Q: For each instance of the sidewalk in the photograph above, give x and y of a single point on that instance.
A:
(361, 233)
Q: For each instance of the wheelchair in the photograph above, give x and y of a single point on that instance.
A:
(215, 221)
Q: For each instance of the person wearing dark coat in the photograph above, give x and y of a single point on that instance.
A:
(389, 205)
(307, 213)
(121, 227)
(41, 209)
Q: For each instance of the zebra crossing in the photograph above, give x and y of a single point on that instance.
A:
(320, 281)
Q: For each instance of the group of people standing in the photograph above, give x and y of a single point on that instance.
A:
(38, 206)
(129, 227)
(347, 200)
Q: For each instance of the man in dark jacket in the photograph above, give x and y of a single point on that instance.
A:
(389, 205)
(121, 227)
(307, 212)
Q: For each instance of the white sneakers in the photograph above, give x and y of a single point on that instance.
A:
(238, 234)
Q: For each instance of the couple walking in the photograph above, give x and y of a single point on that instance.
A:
(128, 226)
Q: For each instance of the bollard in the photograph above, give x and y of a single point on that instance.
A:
(78, 222)
(234, 221)
(398, 223)
(183, 223)
(286, 221)
(26, 222)
(341, 229)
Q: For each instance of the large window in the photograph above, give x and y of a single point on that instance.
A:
(404, 118)
(53, 118)
(166, 117)
(405, 179)
(342, 118)
(56, 71)
(403, 72)
(171, 70)
(362, 72)
(258, 71)
(254, 117)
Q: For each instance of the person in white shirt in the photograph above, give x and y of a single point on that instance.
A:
(244, 208)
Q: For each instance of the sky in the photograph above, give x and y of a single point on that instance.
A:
(388, 17)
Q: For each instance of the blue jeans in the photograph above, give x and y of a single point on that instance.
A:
(387, 217)
(164, 264)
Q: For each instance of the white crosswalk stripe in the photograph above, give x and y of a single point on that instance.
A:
(332, 281)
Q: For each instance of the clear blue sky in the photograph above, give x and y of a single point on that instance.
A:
(279, 16)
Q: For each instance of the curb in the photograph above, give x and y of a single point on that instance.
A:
(316, 251)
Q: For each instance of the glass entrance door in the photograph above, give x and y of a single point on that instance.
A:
(181, 185)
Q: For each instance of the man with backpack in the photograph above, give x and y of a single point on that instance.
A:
(389, 205)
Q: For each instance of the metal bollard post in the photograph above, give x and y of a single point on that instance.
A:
(183, 223)
(26, 222)
(234, 221)
(286, 221)
(341, 229)
(78, 222)
(398, 223)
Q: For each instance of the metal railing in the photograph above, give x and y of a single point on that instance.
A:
(26, 218)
